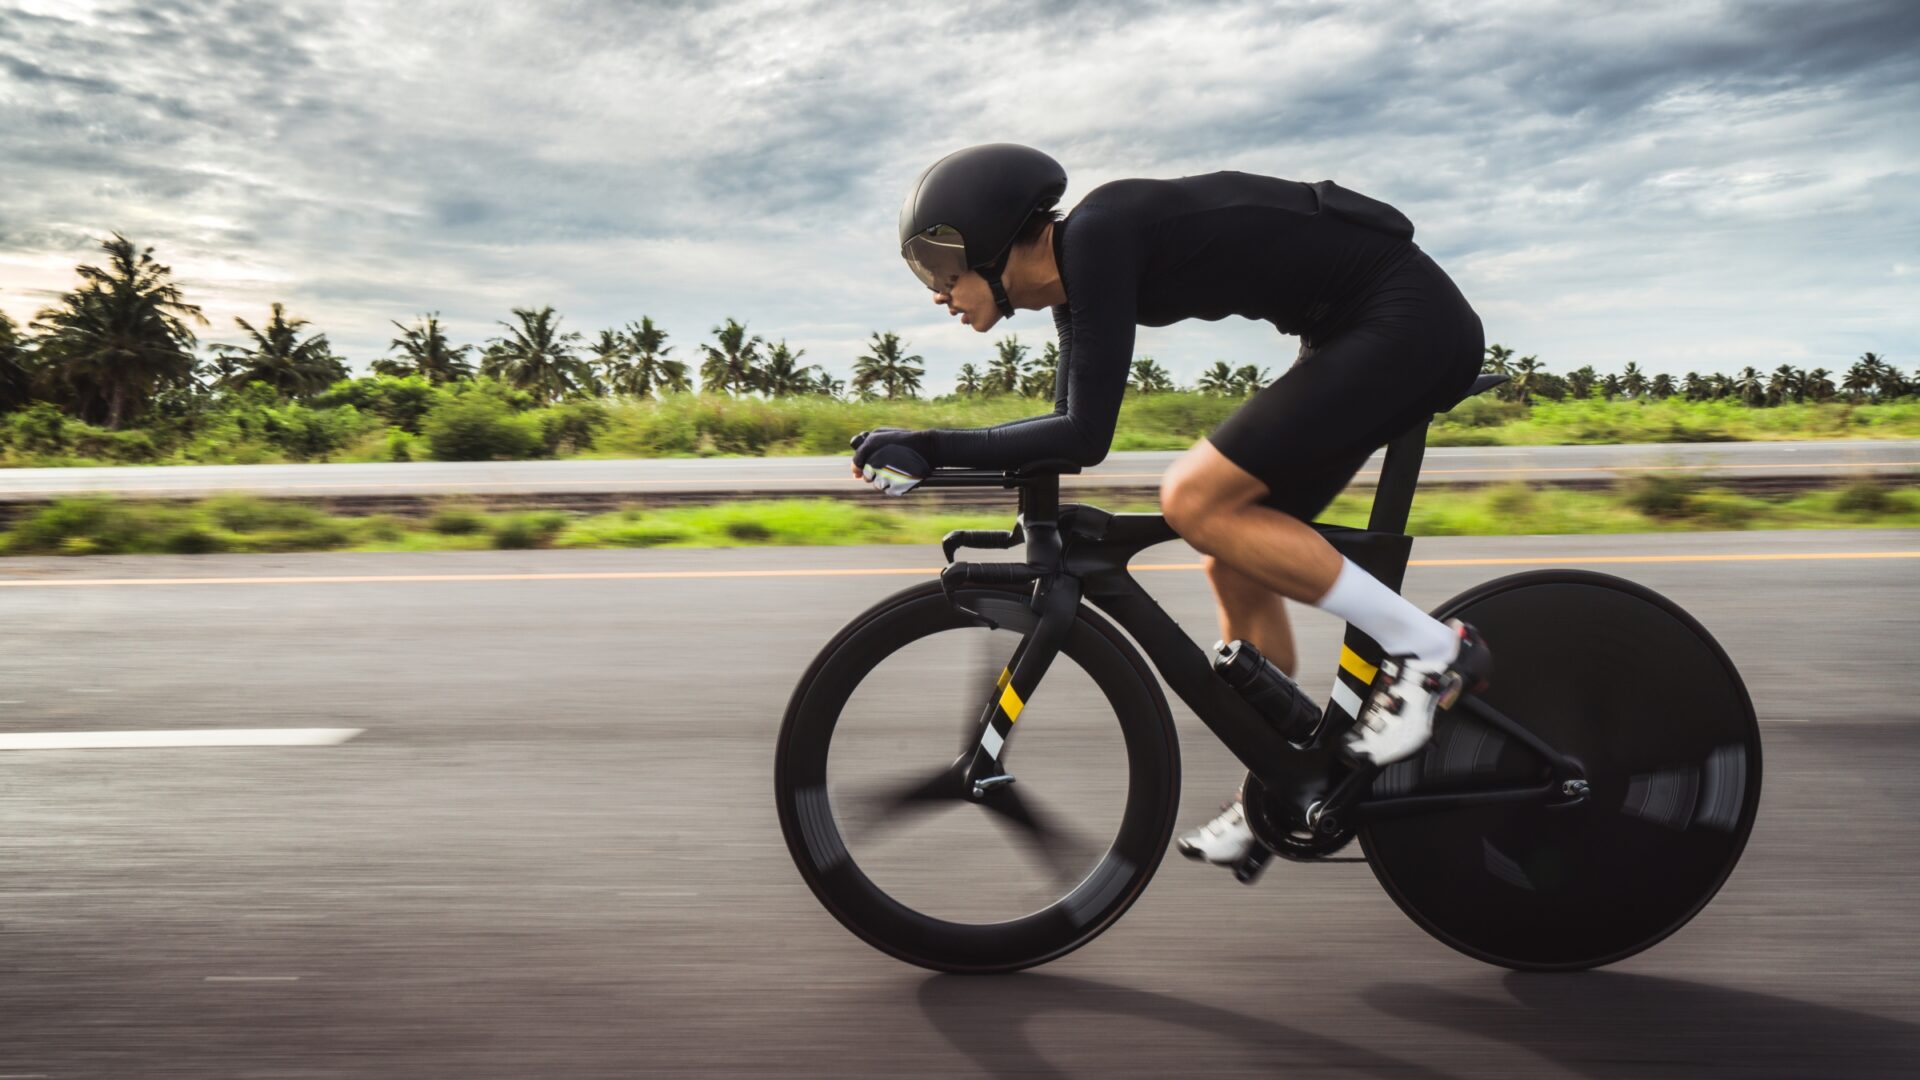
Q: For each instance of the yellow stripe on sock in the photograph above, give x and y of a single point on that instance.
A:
(1351, 663)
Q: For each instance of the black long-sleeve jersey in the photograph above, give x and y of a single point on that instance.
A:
(1155, 252)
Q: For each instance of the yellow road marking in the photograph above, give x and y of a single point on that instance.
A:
(1011, 704)
(879, 571)
(1351, 663)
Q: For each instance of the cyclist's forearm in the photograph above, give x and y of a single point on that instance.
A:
(1021, 442)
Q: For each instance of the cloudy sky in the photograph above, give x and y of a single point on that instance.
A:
(1684, 183)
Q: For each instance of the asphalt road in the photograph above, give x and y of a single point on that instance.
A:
(790, 475)
(552, 850)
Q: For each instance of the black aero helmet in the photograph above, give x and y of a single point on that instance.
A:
(966, 209)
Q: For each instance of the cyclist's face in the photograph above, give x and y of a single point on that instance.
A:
(969, 297)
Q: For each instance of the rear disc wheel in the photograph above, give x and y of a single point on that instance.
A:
(1620, 679)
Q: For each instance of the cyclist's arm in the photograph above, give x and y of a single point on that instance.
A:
(1096, 343)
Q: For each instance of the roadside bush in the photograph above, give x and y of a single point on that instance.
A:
(1658, 495)
(130, 446)
(1511, 500)
(569, 427)
(306, 433)
(528, 530)
(84, 526)
(400, 445)
(478, 427)
(402, 401)
(456, 521)
(192, 540)
(1863, 497)
(250, 514)
(40, 428)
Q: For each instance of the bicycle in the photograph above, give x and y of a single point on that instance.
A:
(1584, 807)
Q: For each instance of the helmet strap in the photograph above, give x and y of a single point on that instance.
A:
(999, 293)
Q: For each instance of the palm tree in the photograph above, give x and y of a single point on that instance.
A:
(1609, 386)
(1696, 387)
(279, 358)
(1582, 380)
(783, 375)
(1009, 363)
(1248, 380)
(1148, 377)
(16, 385)
(1779, 384)
(537, 357)
(1751, 388)
(1720, 385)
(1861, 377)
(649, 370)
(1042, 374)
(826, 385)
(1633, 381)
(969, 382)
(1527, 372)
(1498, 360)
(1820, 384)
(1662, 387)
(885, 366)
(1216, 380)
(121, 337)
(609, 358)
(425, 352)
(732, 367)
(1887, 382)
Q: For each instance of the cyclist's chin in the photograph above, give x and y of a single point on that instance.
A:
(982, 321)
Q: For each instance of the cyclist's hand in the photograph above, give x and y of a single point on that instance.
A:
(893, 461)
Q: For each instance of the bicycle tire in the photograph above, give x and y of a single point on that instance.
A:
(1620, 678)
(813, 836)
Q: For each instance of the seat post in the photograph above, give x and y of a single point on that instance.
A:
(1399, 475)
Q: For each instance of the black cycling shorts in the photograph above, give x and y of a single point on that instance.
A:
(1410, 349)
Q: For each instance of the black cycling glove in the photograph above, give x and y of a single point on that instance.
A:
(892, 460)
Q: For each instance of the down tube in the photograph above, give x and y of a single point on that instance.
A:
(1298, 776)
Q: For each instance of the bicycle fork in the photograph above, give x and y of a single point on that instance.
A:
(1056, 600)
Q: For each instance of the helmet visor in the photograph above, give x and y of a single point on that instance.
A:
(936, 256)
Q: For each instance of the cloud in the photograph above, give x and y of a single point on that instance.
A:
(1697, 183)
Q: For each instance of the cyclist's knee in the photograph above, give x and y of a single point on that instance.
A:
(1186, 503)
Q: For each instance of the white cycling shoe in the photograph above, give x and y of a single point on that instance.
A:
(1224, 841)
(1397, 719)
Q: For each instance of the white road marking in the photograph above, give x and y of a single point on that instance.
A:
(252, 978)
(88, 690)
(127, 740)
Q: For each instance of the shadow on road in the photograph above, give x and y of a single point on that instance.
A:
(1607, 1024)
(988, 1019)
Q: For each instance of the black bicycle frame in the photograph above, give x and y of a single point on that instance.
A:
(1075, 552)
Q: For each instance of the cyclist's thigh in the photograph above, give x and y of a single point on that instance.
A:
(1307, 434)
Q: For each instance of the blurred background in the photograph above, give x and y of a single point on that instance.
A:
(424, 426)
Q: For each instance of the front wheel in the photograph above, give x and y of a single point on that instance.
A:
(1621, 680)
(868, 779)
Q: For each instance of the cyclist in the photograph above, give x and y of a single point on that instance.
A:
(1386, 339)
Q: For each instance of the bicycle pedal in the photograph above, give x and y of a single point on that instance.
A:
(1247, 870)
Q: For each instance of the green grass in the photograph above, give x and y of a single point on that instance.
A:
(90, 526)
(487, 423)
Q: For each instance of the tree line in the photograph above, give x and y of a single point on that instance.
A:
(1870, 377)
(125, 342)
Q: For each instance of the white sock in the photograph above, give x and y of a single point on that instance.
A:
(1387, 617)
